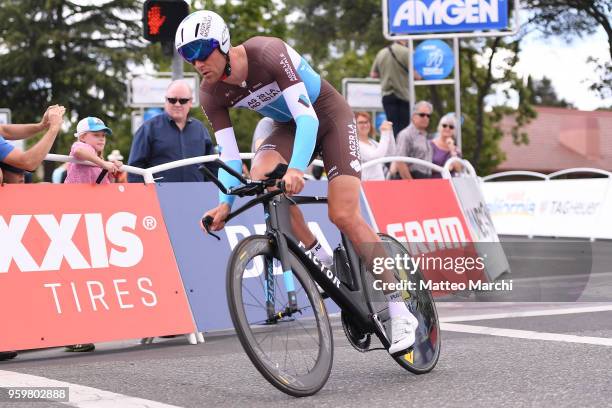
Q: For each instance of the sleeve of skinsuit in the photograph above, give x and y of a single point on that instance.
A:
(226, 140)
(277, 57)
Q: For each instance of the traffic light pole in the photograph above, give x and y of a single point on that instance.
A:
(177, 65)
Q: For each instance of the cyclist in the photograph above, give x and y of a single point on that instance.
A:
(266, 75)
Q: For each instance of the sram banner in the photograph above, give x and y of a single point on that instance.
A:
(426, 216)
(86, 263)
(446, 16)
(423, 213)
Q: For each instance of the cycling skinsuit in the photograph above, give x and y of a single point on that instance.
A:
(310, 116)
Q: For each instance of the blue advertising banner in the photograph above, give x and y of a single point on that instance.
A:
(434, 59)
(446, 16)
(202, 260)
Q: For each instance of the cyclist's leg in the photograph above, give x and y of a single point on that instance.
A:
(276, 149)
(342, 159)
(345, 213)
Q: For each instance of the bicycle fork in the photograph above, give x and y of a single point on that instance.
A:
(288, 280)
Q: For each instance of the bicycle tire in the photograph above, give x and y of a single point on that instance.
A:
(424, 354)
(290, 383)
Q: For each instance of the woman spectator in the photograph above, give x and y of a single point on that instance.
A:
(370, 149)
(444, 144)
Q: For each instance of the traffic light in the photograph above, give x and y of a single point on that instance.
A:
(161, 18)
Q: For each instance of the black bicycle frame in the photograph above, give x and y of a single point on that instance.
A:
(350, 300)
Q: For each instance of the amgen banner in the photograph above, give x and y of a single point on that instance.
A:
(445, 16)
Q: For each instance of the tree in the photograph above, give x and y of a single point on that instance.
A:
(577, 18)
(342, 38)
(543, 93)
(58, 51)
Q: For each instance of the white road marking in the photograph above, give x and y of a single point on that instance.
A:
(529, 313)
(588, 275)
(80, 395)
(526, 334)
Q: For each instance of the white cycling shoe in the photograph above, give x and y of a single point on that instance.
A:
(403, 330)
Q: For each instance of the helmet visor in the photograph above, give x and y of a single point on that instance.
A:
(198, 50)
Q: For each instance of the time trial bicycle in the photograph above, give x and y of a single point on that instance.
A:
(277, 309)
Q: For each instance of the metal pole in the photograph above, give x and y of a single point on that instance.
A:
(457, 93)
(411, 90)
(177, 65)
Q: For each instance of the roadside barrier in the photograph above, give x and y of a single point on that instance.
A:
(573, 208)
(91, 263)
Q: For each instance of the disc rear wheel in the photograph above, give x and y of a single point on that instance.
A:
(423, 356)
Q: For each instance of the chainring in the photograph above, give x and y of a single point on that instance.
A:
(359, 340)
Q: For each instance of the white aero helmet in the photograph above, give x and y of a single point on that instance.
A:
(199, 34)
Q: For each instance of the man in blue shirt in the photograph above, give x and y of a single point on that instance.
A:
(171, 136)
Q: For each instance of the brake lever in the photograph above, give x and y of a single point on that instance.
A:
(206, 222)
(281, 186)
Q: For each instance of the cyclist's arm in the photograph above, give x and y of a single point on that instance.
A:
(294, 92)
(228, 147)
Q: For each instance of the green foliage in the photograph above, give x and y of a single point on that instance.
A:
(543, 93)
(569, 19)
(61, 52)
(342, 38)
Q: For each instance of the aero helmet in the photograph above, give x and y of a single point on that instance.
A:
(199, 34)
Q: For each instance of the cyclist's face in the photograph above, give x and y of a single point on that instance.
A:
(212, 67)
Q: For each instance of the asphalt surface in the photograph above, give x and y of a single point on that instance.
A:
(499, 368)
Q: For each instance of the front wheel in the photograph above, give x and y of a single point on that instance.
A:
(292, 347)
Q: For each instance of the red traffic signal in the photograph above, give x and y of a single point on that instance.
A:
(161, 18)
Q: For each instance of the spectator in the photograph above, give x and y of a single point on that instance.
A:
(91, 134)
(370, 149)
(391, 66)
(443, 144)
(412, 142)
(171, 136)
(116, 155)
(12, 175)
(59, 174)
(31, 158)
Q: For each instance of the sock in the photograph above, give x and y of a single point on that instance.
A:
(397, 307)
(321, 253)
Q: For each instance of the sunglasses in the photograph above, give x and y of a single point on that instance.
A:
(198, 50)
(182, 101)
(444, 125)
(423, 115)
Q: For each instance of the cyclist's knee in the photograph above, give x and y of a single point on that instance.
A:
(344, 218)
(264, 163)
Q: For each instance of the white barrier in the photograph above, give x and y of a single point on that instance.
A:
(576, 208)
(148, 173)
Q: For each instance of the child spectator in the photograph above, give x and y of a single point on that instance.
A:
(91, 133)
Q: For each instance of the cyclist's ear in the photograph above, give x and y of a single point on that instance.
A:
(278, 172)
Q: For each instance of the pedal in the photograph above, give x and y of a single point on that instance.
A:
(380, 326)
(407, 354)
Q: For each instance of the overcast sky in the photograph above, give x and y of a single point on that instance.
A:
(565, 64)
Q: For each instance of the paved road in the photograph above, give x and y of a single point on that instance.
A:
(494, 354)
(474, 369)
